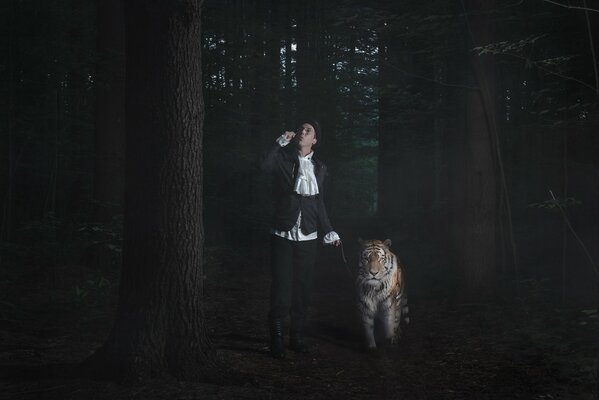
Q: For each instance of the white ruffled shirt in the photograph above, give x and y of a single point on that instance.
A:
(305, 185)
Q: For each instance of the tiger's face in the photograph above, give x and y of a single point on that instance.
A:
(376, 264)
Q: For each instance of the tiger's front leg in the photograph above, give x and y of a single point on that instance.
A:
(367, 315)
(390, 323)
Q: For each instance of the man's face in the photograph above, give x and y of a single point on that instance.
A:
(306, 137)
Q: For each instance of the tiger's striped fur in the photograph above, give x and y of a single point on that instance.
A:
(381, 290)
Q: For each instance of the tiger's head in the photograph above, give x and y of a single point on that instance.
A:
(376, 261)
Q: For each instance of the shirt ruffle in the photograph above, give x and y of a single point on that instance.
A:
(306, 183)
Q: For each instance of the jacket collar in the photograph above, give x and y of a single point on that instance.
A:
(293, 157)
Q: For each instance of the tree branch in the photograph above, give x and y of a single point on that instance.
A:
(569, 6)
(574, 233)
(586, 13)
(429, 79)
(536, 64)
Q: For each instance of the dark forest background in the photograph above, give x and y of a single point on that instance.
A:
(465, 131)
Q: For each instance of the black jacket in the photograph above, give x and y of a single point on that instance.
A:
(283, 164)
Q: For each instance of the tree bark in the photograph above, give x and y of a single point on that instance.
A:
(159, 327)
(475, 208)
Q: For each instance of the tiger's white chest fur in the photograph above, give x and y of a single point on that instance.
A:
(377, 292)
(380, 291)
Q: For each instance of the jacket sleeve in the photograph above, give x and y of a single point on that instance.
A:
(271, 158)
(323, 217)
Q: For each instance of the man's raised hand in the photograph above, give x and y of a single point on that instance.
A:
(289, 135)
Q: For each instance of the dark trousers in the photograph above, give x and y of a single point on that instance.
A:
(291, 264)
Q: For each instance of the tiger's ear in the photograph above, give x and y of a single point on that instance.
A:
(360, 241)
(387, 243)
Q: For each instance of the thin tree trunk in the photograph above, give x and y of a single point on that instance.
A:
(304, 65)
(289, 90)
(159, 327)
(592, 45)
(109, 139)
(310, 97)
(385, 141)
(564, 225)
(259, 125)
(8, 154)
(475, 207)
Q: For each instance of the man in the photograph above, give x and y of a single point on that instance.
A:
(300, 212)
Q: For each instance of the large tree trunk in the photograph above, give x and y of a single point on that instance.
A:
(159, 327)
(109, 139)
(474, 224)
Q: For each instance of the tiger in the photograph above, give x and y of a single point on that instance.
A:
(381, 290)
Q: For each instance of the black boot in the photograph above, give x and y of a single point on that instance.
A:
(296, 338)
(277, 349)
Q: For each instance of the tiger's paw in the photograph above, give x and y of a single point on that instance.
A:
(390, 343)
(369, 347)
(370, 344)
(376, 352)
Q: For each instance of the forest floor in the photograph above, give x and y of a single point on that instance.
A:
(451, 350)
